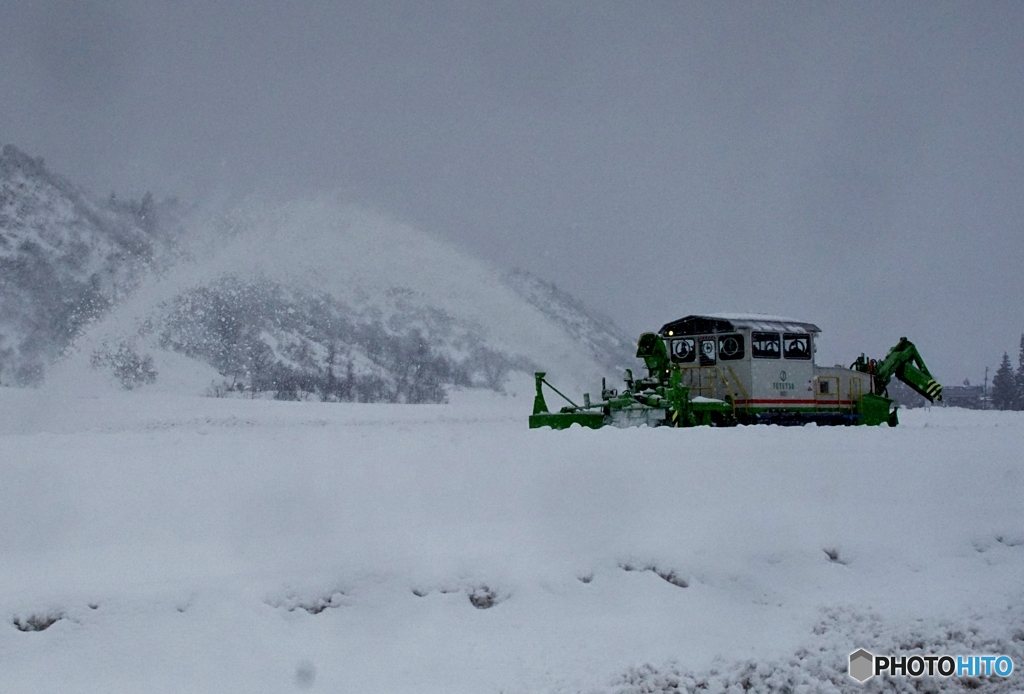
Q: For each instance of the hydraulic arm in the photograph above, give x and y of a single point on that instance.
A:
(905, 363)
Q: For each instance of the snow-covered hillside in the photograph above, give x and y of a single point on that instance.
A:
(161, 543)
(65, 258)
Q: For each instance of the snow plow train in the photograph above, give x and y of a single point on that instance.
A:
(729, 369)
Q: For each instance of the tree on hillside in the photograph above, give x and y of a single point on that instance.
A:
(1004, 386)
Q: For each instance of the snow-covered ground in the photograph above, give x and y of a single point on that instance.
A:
(190, 544)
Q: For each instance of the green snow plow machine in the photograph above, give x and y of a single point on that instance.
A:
(728, 369)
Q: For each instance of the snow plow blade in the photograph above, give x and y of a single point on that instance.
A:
(564, 420)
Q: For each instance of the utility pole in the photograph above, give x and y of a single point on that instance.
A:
(984, 392)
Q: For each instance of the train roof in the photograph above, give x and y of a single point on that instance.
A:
(704, 323)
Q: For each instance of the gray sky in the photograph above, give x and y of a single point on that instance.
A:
(859, 165)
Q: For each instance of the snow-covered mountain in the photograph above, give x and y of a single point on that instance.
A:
(65, 258)
(308, 299)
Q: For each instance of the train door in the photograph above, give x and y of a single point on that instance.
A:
(795, 382)
(707, 351)
(765, 367)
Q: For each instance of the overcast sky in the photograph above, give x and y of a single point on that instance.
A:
(859, 165)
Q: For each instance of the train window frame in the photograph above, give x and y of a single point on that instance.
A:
(793, 355)
(762, 334)
(692, 357)
(739, 353)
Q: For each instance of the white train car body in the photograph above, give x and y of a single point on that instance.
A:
(761, 364)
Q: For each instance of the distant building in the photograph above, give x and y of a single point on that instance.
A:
(970, 397)
(905, 396)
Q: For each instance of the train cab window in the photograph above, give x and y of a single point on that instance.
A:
(730, 347)
(765, 345)
(684, 350)
(796, 346)
(707, 351)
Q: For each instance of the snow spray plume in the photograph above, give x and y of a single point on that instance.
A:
(312, 286)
